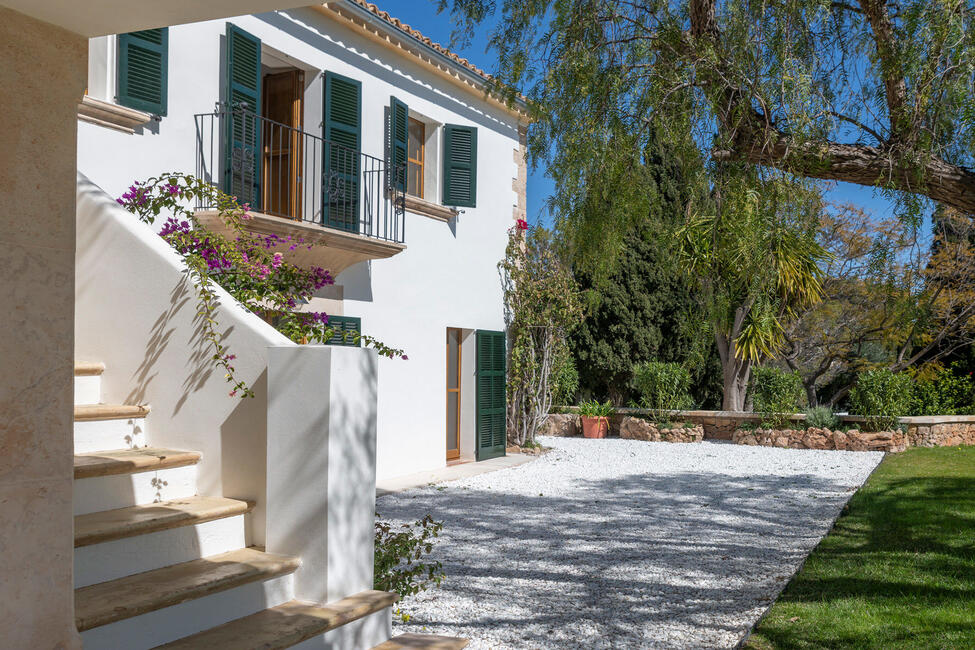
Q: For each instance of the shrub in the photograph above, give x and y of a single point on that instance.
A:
(881, 397)
(776, 394)
(822, 417)
(593, 409)
(939, 391)
(663, 387)
(398, 564)
(565, 379)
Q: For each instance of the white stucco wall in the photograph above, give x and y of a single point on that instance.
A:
(135, 311)
(447, 276)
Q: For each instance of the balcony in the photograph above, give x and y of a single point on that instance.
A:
(301, 185)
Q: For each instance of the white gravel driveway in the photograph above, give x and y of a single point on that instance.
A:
(623, 543)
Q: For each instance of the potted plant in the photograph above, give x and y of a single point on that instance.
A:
(595, 418)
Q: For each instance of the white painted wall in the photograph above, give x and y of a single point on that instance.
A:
(136, 312)
(447, 277)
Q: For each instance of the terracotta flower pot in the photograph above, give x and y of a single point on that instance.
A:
(595, 427)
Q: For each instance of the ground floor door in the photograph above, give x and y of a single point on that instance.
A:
(491, 432)
(453, 392)
(282, 143)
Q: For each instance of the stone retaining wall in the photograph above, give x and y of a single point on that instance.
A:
(640, 429)
(813, 438)
(922, 431)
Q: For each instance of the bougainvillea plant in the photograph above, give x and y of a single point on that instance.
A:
(251, 267)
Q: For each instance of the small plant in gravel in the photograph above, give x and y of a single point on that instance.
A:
(822, 417)
(399, 564)
(881, 397)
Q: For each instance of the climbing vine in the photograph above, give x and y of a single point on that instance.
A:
(542, 304)
(251, 267)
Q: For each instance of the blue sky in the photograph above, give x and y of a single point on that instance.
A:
(422, 15)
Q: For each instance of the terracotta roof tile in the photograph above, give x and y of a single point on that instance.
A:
(406, 29)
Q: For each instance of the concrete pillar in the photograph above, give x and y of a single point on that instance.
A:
(321, 466)
(321, 472)
(42, 78)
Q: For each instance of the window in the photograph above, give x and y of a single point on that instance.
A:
(347, 330)
(414, 156)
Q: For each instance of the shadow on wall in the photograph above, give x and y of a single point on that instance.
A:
(356, 282)
(593, 566)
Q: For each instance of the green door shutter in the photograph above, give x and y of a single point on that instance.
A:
(242, 165)
(347, 329)
(460, 166)
(490, 397)
(343, 124)
(143, 69)
(399, 128)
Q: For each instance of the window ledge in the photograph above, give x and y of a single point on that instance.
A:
(112, 116)
(426, 208)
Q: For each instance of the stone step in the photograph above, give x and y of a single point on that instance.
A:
(130, 461)
(92, 412)
(108, 602)
(424, 641)
(88, 383)
(88, 368)
(108, 525)
(286, 625)
(98, 427)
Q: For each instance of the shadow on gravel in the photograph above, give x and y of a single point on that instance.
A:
(635, 561)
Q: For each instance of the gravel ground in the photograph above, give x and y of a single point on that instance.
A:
(623, 543)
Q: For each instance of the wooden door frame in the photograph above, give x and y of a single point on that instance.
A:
(453, 454)
(295, 144)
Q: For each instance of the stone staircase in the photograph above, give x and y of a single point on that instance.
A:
(158, 566)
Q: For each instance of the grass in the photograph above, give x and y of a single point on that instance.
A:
(897, 570)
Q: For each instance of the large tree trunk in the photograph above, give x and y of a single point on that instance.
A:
(943, 182)
(894, 164)
(734, 374)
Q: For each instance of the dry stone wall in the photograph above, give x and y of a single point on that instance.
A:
(926, 431)
(814, 438)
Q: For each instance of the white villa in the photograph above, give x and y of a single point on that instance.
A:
(190, 519)
(343, 83)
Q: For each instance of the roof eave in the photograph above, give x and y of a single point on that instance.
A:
(467, 75)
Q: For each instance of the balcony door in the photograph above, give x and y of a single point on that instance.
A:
(282, 143)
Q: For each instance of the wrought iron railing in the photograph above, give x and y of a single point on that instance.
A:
(286, 172)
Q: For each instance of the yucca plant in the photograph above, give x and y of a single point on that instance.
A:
(756, 261)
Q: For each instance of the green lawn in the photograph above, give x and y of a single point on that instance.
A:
(897, 570)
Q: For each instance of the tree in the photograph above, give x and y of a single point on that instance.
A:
(542, 305)
(639, 307)
(869, 92)
(866, 282)
(885, 304)
(755, 261)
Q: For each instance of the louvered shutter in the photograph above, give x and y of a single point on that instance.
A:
(347, 327)
(143, 64)
(343, 123)
(460, 166)
(242, 166)
(491, 430)
(399, 126)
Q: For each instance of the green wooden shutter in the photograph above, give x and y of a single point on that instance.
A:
(399, 130)
(242, 162)
(490, 396)
(143, 70)
(460, 166)
(343, 126)
(347, 330)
